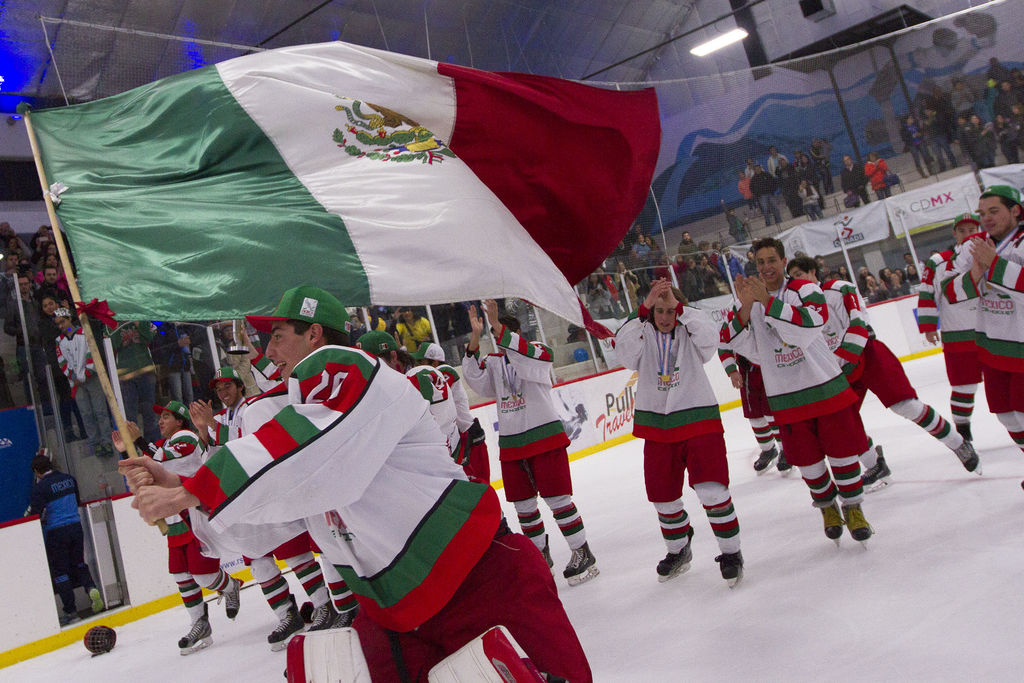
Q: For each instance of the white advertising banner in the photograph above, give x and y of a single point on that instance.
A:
(858, 226)
(1011, 174)
(932, 205)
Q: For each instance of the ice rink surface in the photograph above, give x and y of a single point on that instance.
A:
(937, 595)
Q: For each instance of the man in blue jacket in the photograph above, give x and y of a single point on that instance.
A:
(55, 499)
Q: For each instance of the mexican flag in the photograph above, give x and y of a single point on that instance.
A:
(382, 178)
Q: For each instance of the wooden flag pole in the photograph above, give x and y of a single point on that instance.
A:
(97, 356)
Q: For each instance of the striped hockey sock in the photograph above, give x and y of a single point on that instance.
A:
(276, 592)
(213, 582)
(847, 475)
(341, 596)
(775, 428)
(307, 571)
(1014, 423)
(869, 458)
(530, 522)
(191, 594)
(961, 402)
(926, 417)
(725, 525)
(570, 523)
(675, 525)
(817, 478)
(763, 433)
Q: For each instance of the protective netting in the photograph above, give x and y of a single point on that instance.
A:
(814, 111)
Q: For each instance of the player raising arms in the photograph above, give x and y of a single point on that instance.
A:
(677, 416)
(778, 325)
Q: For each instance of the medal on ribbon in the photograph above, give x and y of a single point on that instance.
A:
(664, 356)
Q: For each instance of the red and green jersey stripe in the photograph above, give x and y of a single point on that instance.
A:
(443, 549)
(811, 402)
(960, 288)
(540, 439)
(514, 342)
(813, 312)
(421, 380)
(1000, 353)
(728, 360)
(927, 312)
(677, 426)
(1006, 274)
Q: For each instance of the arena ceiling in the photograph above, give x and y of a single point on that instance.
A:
(86, 49)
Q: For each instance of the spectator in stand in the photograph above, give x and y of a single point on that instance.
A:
(43, 234)
(751, 168)
(963, 100)
(874, 292)
(1008, 135)
(136, 372)
(599, 302)
(876, 171)
(862, 279)
(764, 185)
(852, 179)
(690, 281)
(632, 284)
(774, 160)
(641, 257)
(743, 185)
(50, 285)
(1005, 99)
(969, 136)
(412, 329)
(711, 280)
(789, 182)
(844, 273)
(988, 144)
(820, 267)
(31, 358)
(76, 363)
(729, 260)
(55, 499)
(897, 284)
(821, 152)
(914, 142)
(913, 277)
(936, 132)
(49, 332)
(687, 247)
(810, 198)
(737, 227)
(998, 72)
(659, 262)
(750, 267)
(807, 169)
(172, 347)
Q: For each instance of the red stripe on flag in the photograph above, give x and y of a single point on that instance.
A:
(567, 136)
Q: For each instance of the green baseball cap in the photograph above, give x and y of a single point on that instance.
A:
(968, 217)
(225, 374)
(377, 342)
(307, 304)
(1006, 191)
(176, 407)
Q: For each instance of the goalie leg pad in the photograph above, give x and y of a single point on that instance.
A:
(327, 657)
(493, 657)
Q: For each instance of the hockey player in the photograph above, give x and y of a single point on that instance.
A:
(181, 452)
(957, 322)
(357, 455)
(746, 376)
(778, 325)
(476, 464)
(991, 270)
(869, 365)
(221, 428)
(532, 440)
(441, 386)
(75, 362)
(677, 416)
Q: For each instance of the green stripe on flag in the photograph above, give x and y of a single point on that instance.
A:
(179, 206)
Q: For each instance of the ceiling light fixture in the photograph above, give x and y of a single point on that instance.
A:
(733, 36)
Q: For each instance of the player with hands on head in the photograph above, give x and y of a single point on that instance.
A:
(531, 438)
(677, 415)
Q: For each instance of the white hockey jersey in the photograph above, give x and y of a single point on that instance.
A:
(674, 398)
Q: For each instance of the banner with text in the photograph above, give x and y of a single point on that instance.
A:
(857, 227)
(933, 205)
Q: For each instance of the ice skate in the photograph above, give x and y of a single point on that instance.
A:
(546, 552)
(290, 624)
(969, 457)
(325, 617)
(783, 466)
(582, 566)
(731, 566)
(855, 522)
(675, 564)
(230, 596)
(964, 430)
(833, 522)
(877, 477)
(765, 460)
(199, 636)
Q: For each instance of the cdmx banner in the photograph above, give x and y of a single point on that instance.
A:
(932, 205)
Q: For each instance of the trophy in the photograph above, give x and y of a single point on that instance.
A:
(238, 348)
